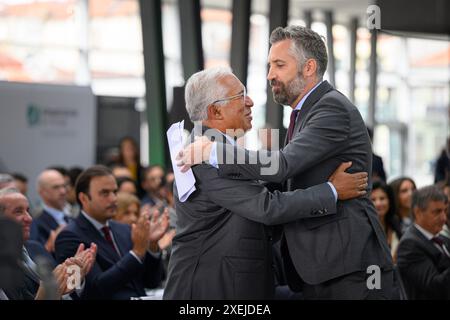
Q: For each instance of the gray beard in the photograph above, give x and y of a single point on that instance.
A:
(289, 93)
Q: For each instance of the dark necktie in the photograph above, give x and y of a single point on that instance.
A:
(292, 124)
(107, 232)
(440, 242)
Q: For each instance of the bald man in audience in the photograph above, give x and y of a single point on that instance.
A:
(53, 191)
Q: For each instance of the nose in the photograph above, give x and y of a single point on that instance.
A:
(28, 219)
(270, 74)
(248, 102)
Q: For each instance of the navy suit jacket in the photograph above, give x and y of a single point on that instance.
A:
(36, 250)
(42, 226)
(112, 276)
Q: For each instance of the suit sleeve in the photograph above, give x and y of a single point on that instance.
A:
(99, 283)
(418, 269)
(154, 271)
(251, 200)
(324, 136)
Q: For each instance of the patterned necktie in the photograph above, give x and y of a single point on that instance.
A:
(440, 242)
(292, 124)
(107, 232)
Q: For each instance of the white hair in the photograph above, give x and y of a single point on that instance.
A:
(4, 193)
(202, 89)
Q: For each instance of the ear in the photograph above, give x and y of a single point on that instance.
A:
(83, 197)
(310, 68)
(214, 112)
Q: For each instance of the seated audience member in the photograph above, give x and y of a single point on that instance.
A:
(126, 185)
(129, 156)
(127, 260)
(21, 183)
(383, 199)
(378, 172)
(446, 189)
(153, 181)
(14, 206)
(6, 181)
(72, 208)
(156, 193)
(403, 189)
(52, 218)
(442, 169)
(128, 208)
(423, 255)
(120, 171)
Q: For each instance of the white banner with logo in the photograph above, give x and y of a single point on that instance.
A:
(45, 125)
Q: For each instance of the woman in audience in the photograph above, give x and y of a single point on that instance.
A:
(126, 185)
(129, 157)
(128, 208)
(403, 189)
(383, 200)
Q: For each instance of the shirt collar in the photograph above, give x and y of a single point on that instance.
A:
(230, 139)
(58, 215)
(426, 233)
(95, 223)
(300, 104)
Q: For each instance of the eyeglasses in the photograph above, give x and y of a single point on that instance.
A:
(242, 94)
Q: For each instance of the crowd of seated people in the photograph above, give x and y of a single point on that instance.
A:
(116, 224)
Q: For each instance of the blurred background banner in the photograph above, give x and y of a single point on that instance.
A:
(50, 125)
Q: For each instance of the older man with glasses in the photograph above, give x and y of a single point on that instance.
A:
(222, 249)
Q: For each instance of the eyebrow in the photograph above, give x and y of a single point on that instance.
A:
(276, 61)
(108, 190)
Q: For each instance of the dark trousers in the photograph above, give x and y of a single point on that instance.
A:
(352, 286)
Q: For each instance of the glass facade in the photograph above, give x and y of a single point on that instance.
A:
(99, 43)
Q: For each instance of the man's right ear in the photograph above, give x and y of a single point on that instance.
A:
(214, 112)
(83, 197)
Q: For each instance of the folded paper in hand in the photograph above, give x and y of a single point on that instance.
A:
(185, 182)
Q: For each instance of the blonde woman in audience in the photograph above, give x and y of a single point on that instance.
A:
(128, 208)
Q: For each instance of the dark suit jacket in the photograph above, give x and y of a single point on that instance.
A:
(42, 226)
(112, 277)
(36, 250)
(424, 269)
(222, 250)
(378, 167)
(329, 130)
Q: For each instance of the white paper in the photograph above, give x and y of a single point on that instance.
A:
(185, 182)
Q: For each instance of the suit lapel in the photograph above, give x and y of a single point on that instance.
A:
(119, 238)
(312, 99)
(93, 235)
(429, 246)
(49, 220)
